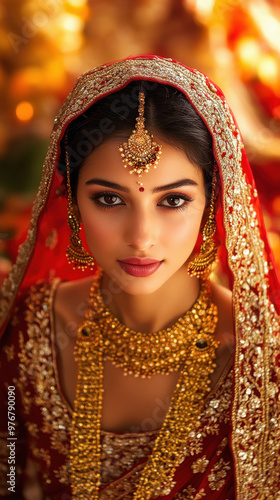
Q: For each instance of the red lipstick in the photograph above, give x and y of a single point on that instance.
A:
(140, 267)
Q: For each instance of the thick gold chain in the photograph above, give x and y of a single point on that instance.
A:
(189, 345)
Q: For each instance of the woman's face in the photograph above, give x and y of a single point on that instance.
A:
(141, 239)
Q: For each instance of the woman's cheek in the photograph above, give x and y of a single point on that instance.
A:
(95, 232)
(185, 231)
(99, 232)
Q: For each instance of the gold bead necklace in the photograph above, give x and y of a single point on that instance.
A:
(189, 346)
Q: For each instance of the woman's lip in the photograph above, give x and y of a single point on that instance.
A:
(140, 261)
(140, 270)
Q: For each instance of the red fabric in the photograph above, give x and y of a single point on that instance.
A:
(48, 260)
(55, 216)
(27, 441)
(29, 362)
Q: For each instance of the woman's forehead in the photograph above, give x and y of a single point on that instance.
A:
(173, 166)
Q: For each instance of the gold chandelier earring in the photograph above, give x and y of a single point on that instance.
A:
(76, 253)
(202, 263)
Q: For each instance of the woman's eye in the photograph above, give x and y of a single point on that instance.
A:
(107, 199)
(175, 201)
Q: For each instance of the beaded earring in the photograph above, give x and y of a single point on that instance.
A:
(76, 254)
(202, 263)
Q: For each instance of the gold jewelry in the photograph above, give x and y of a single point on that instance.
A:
(203, 262)
(76, 254)
(140, 152)
(189, 344)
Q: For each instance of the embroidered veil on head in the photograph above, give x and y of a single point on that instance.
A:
(245, 255)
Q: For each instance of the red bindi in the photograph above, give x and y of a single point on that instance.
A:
(141, 189)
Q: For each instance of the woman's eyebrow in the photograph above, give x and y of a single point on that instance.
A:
(112, 185)
(173, 185)
(166, 187)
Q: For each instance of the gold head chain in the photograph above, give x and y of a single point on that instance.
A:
(140, 152)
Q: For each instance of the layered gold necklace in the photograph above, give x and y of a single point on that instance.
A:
(189, 346)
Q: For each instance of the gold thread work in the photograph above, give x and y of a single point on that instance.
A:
(247, 259)
(140, 152)
(189, 346)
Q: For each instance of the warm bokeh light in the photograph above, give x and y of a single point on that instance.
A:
(276, 205)
(70, 23)
(202, 8)
(248, 52)
(276, 112)
(33, 80)
(274, 240)
(26, 80)
(76, 3)
(267, 23)
(70, 43)
(24, 111)
(269, 69)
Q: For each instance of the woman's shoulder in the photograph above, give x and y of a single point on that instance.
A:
(224, 333)
(69, 290)
(222, 297)
(71, 299)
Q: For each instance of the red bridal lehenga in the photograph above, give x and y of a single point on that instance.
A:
(233, 448)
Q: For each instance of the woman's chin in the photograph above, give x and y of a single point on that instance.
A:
(118, 281)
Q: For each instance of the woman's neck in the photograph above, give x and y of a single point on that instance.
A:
(158, 310)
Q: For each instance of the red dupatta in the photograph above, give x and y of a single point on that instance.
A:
(246, 257)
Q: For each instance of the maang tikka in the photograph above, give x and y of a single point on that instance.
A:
(76, 253)
(140, 152)
(202, 263)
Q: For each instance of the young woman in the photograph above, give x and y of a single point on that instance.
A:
(134, 375)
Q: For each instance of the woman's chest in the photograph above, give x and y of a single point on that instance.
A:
(129, 404)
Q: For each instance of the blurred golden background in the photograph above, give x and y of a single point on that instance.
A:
(46, 44)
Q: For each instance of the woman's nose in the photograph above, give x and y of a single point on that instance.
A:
(141, 230)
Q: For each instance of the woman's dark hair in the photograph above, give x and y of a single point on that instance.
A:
(168, 113)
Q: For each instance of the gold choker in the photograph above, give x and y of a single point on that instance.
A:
(189, 346)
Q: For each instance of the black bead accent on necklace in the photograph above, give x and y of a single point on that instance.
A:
(109, 339)
(201, 344)
(85, 332)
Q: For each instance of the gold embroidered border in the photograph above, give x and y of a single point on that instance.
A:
(35, 358)
(255, 416)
